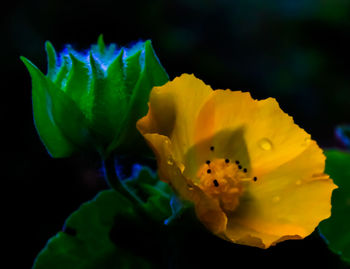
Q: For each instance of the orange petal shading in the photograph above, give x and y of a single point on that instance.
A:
(287, 203)
(169, 171)
(254, 176)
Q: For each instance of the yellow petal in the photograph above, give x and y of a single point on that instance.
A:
(210, 213)
(258, 133)
(207, 210)
(169, 129)
(287, 203)
(173, 110)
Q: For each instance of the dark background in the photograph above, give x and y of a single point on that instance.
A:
(295, 51)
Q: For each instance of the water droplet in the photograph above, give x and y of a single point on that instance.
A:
(265, 144)
(170, 162)
(307, 141)
(276, 199)
(298, 182)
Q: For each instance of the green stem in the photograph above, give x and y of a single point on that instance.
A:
(114, 182)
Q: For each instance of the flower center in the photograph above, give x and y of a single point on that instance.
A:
(223, 180)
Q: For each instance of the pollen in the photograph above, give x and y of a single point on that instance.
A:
(224, 181)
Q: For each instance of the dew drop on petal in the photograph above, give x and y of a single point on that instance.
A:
(307, 141)
(265, 144)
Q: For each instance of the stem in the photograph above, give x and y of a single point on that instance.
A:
(115, 183)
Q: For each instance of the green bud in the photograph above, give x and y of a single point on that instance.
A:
(92, 100)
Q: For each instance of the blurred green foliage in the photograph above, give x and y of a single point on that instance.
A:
(336, 229)
(103, 233)
(85, 241)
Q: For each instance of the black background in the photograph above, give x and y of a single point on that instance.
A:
(295, 51)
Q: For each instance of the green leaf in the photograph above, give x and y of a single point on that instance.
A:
(62, 74)
(52, 59)
(69, 118)
(55, 142)
(53, 107)
(104, 53)
(336, 229)
(115, 95)
(77, 85)
(105, 107)
(86, 241)
(115, 74)
(110, 99)
(152, 74)
(132, 70)
(155, 193)
(153, 66)
(101, 44)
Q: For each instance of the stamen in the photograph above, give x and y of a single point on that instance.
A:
(223, 180)
(237, 162)
(233, 190)
(255, 178)
(212, 148)
(245, 170)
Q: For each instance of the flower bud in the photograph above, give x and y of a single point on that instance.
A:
(92, 100)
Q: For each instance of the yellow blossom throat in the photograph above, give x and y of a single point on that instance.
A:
(223, 180)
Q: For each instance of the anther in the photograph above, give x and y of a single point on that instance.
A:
(245, 170)
(227, 160)
(216, 183)
(207, 162)
(212, 148)
(239, 166)
(237, 162)
(209, 171)
(255, 178)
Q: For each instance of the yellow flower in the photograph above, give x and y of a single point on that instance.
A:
(254, 176)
